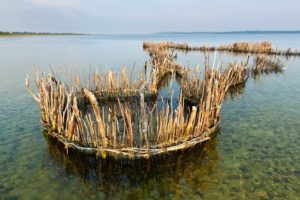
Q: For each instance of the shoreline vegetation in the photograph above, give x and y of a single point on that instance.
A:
(264, 47)
(16, 34)
(95, 115)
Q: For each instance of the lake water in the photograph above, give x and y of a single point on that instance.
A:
(256, 154)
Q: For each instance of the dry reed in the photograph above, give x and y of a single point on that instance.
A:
(162, 60)
(237, 47)
(265, 64)
(113, 85)
(192, 86)
(131, 130)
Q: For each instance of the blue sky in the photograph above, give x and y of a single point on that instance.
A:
(148, 16)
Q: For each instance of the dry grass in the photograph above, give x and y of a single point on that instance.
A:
(265, 64)
(113, 85)
(249, 47)
(192, 86)
(162, 60)
(237, 47)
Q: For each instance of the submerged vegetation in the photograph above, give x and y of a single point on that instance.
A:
(113, 114)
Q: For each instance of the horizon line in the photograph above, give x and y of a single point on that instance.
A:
(162, 32)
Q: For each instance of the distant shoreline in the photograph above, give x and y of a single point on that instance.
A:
(232, 32)
(26, 34)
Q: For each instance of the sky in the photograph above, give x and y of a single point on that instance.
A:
(148, 16)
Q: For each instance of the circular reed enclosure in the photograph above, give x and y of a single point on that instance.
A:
(126, 123)
(116, 115)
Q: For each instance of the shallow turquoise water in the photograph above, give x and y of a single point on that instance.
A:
(256, 154)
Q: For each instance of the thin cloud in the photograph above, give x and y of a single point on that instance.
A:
(119, 16)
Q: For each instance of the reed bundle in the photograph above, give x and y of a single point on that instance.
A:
(113, 85)
(265, 64)
(162, 60)
(192, 86)
(155, 45)
(237, 47)
(251, 46)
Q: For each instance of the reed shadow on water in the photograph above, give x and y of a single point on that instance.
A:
(113, 174)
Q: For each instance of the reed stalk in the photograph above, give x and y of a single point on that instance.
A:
(162, 60)
(193, 88)
(237, 47)
(266, 64)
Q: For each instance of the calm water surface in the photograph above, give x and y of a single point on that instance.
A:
(256, 154)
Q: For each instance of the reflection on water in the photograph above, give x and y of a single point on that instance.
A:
(236, 90)
(111, 174)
